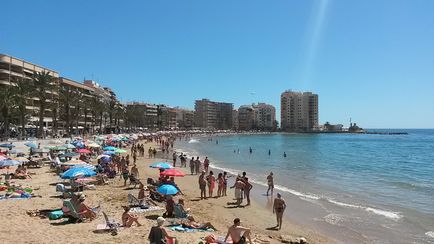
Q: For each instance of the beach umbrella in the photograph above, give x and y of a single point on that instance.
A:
(161, 165)
(119, 151)
(173, 172)
(103, 156)
(70, 154)
(59, 148)
(40, 150)
(69, 146)
(78, 172)
(55, 141)
(93, 145)
(7, 145)
(109, 153)
(79, 144)
(167, 190)
(109, 148)
(83, 150)
(9, 162)
(21, 159)
(73, 162)
(31, 144)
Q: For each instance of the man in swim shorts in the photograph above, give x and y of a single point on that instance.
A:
(238, 233)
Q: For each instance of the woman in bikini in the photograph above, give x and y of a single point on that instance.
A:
(211, 183)
(221, 184)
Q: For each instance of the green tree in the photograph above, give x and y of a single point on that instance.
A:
(44, 85)
(66, 99)
(22, 89)
(7, 105)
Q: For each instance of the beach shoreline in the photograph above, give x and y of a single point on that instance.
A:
(36, 230)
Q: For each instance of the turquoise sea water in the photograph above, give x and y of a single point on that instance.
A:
(373, 188)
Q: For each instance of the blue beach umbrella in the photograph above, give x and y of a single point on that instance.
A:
(78, 172)
(86, 166)
(167, 190)
(161, 165)
(69, 146)
(109, 148)
(70, 154)
(31, 144)
(9, 162)
(109, 153)
(7, 145)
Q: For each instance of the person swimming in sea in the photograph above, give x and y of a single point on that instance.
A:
(284, 154)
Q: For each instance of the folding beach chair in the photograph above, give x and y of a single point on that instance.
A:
(133, 201)
(109, 225)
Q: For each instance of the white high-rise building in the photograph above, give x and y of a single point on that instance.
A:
(299, 111)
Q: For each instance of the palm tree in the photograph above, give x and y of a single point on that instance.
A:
(67, 97)
(22, 89)
(44, 85)
(7, 104)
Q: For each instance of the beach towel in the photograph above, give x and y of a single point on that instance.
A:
(180, 228)
(144, 210)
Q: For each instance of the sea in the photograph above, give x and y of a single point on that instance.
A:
(354, 188)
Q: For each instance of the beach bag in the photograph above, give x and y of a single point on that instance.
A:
(57, 214)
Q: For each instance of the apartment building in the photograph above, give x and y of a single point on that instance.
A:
(213, 115)
(259, 116)
(265, 116)
(144, 115)
(235, 125)
(246, 117)
(184, 118)
(13, 69)
(299, 111)
(79, 114)
(166, 117)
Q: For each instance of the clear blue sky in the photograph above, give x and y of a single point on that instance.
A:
(372, 60)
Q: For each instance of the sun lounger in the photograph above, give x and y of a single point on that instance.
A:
(69, 210)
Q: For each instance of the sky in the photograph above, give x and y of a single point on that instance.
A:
(370, 60)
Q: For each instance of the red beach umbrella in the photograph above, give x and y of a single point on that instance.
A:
(83, 150)
(172, 172)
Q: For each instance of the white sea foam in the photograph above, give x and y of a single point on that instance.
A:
(430, 234)
(387, 214)
(308, 196)
(193, 141)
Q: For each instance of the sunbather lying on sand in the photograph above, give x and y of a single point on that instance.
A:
(191, 223)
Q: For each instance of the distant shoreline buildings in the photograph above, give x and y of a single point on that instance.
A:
(80, 108)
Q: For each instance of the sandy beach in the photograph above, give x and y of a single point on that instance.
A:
(18, 227)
